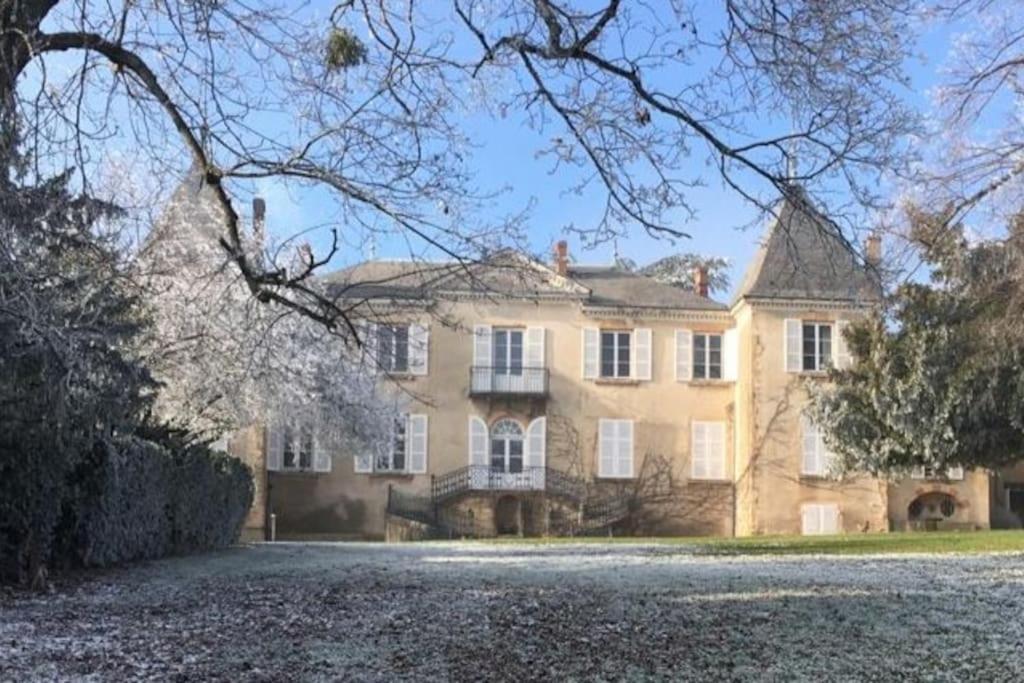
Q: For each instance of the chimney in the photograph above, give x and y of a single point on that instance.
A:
(873, 250)
(259, 220)
(700, 281)
(562, 258)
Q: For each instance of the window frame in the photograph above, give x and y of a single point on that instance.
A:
(400, 435)
(617, 349)
(705, 363)
(388, 347)
(296, 435)
(509, 368)
(821, 362)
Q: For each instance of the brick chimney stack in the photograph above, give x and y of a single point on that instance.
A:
(700, 281)
(562, 258)
(873, 249)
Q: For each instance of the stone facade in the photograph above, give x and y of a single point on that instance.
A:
(725, 455)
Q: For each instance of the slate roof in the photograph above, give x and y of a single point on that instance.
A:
(594, 285)
(805, 257)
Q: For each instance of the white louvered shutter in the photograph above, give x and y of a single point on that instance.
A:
(370, 344)
(534, 347)
(482, 346)
(715, 433)
(698, 451)
(416, 440)
(419, 349)
(607, 432)
(684, 355)
(792, 332)
(830, 519)
(730, 355)
(321, 454)
(536, 442)
(843, 360)
(811, 522)
(275, 447)
(642, 353)
(363, 463)
(809, 440)
(477, 441)
(625, 451)
(955, 473)
(591, 352)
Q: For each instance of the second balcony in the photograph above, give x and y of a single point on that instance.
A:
(508, 381)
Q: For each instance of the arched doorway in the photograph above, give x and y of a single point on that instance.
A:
(507, 447)
(930, 509)
(506, 515)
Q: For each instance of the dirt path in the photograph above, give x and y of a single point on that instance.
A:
(485, 612)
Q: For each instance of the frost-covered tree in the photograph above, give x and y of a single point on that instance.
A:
(679, 270)
(938, 378)
(225, 360)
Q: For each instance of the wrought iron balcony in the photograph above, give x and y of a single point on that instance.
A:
(485, 380)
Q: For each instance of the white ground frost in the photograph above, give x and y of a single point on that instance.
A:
(523, 612)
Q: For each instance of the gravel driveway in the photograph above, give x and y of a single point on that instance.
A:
(522, 612)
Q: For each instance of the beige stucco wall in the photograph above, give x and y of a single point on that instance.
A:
(345, 502)
(763, 491)
(771, 490)
(971, 496)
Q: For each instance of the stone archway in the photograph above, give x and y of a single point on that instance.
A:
(931, 509)
(507, 515)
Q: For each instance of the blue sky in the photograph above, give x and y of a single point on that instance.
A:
(506, 158)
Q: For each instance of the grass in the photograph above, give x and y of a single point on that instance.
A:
(852, 544)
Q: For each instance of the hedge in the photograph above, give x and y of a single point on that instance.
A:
(132, 499)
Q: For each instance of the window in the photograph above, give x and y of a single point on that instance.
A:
(930, 472)
(615, 448)
(508, 352)
(392, 457)
(707, 356)
(297, 447)
(393, 348)
(816, 457)
(819, 518)
(507, 447)
(708, 450)
(817, 346)
(615, 354)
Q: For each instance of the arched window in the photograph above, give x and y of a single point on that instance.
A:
(507, 446)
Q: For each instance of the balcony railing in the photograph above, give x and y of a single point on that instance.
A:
(487, 478)
(510, 381)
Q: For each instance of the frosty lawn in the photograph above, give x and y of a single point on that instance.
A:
(438, 611)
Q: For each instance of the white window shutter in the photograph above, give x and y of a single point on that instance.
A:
(606, 444)
(534, 347)
(809, 449)
(321, 455)
(416, 438)
(698, 451)
(792, 333)
(274, 437)
(625, 454)
(716, 450)
(370, 343)
(955, 473)
(419, 349)
(830, 519)
(811, 520)
(477, 441)
(684, 355)
(591, 352)
(482, 346)
(536, 438)
(843, 360)
(642, 353)
(730, 355)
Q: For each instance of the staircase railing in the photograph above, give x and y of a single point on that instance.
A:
(594, 512)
